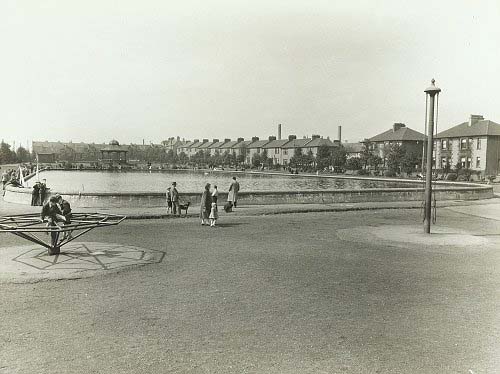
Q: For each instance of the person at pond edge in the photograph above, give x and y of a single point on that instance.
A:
(232, 196)
(205, 205)
(174, 195)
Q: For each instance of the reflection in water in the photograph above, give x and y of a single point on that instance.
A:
(191, 181)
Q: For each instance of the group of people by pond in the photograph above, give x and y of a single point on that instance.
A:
(209, 209)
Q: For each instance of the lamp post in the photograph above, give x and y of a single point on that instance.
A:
(432, 91)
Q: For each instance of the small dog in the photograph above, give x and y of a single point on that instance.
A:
(184, 206)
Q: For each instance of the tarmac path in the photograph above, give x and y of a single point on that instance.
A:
(294, 293)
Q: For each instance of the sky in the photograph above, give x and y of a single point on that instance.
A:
(132, 70)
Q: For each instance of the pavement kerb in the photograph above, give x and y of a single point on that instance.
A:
(307, 208)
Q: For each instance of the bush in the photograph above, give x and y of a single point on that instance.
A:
(451, 177)
(389, 173)
(362, 172)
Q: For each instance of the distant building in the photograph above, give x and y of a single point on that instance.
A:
(274, 149)
(353, 150)
(255, 148)
(474, 144)
(410, 140)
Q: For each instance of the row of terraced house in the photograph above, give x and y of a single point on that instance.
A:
(280, 151)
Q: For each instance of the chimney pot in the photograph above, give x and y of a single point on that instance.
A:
(397, 126)
(474, 118)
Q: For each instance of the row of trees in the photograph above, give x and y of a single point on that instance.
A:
(8, 156)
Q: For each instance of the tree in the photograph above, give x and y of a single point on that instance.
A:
(394, 159)
(338, 157)
(366, 153)
(183, 158)
(354, 164)
(324, 157)
(264, 159)
(256, 161)
(410, 161)
(22, 154)
(297, 158)
(6, 155)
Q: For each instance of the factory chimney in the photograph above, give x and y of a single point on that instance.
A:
(340, 134)
(279, 131)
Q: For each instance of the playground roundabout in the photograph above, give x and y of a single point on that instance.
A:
(31, 263)
(55, 255)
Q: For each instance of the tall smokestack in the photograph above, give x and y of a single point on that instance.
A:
(279, 131)
(340, 134)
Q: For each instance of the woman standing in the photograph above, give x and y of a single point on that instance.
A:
(206, 205)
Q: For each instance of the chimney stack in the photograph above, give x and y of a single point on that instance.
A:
(279, 131)
(397, 126)
(340, 134)
(215, 140)
(474, 118)
(272, 138)
(241, 139)
(255, 138)
(315, 136)
(227, 140)
(205, 141)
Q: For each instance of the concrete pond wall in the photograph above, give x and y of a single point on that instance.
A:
(445, 191)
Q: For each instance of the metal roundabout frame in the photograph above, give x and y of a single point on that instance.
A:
(30, 227)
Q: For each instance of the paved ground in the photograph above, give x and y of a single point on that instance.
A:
(294, 293)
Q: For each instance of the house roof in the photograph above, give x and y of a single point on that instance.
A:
(319, 142)
(402, 134)
(353, 147)
(229, 144)
(216, 145)
(296, 143)
(278, 143)
(195, 144)
(206, 145)
(258, 144)
(242, 144)
(479, 128)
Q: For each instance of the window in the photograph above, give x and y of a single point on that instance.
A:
(444, 162)
(470, 142)
(276, 151)
(285, 151)
(462, 162)
(478, 144)
(444, 144)
(258, 150)
(478, 161)
(469, 162)
(463, 143)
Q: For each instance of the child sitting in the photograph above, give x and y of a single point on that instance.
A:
(213, 215)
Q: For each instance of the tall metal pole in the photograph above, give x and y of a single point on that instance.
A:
(432, 91)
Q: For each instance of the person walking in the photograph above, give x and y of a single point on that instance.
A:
(232, 196)
(205, 205)
(174, 195)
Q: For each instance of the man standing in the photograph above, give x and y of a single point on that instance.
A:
(174, 194)
(35, 194)
(43, 191)
(232, 196)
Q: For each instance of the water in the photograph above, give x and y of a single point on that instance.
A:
(194, 181)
